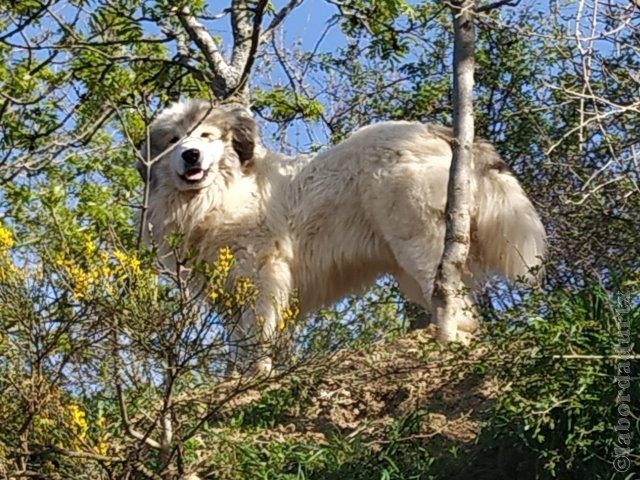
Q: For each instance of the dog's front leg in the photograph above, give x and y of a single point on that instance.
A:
(274, 291)
(243, 342)
(253, 336)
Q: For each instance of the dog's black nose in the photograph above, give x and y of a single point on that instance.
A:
(191, 156)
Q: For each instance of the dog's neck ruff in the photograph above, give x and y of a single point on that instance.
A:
(227, 201)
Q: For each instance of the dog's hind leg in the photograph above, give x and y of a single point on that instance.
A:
(416, 309)
(420, 293)
(417, 249)
(407, 207)
(417, 245)
(418, 259)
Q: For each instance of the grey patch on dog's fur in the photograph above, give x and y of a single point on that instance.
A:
(485, 155)
(234, 118)
(244, 131)
(488, 158)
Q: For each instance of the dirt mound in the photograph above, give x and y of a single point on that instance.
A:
(361, 392)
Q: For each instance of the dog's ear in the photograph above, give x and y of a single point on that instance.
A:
(244, 134)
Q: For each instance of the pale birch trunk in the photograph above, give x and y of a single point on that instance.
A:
(450, 302)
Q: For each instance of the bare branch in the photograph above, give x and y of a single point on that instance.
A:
(278, 18)
(242, 31)
(498, 4)
(450, 302)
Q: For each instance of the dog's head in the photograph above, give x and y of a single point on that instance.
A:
(192, 143)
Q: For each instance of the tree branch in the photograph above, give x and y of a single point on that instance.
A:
(242, 29)
(278, 18)
(498, 4)
(223, 74)
(451, 303)
(253, 48)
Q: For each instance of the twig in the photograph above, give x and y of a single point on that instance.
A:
(596, 357)
(498, 4)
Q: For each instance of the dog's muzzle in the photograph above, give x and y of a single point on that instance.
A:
(193, 169)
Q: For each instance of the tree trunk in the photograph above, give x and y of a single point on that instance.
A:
(450, 303)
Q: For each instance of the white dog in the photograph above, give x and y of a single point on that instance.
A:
(327, 225)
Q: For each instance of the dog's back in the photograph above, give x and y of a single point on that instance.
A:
(375, 204)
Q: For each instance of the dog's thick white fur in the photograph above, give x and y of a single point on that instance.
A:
(327, 225)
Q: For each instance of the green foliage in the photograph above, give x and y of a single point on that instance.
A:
(285, 104)
(553, 414)
(560, 398)
(255, 454)
(274, 406)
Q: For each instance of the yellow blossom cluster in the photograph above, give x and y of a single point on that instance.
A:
(241, 293)
(244, 291)
(103, 270)
(7, 268)
(89, 246)
(102, 447)
(6, 239)
(288, 314)
(218, 273)
(225, 260)
(62, 423)
(81, 279)
(128, 262)
(78, 425)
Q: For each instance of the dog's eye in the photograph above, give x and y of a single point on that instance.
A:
(174, 139)
(206, 135)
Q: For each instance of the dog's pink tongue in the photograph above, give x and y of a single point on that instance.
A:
(195, 174)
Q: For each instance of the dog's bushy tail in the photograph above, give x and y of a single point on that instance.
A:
(510, 238)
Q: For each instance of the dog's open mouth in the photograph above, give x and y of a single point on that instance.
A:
(194, 175)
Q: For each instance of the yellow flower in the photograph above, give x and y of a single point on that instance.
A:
(78, 420)
(121, 257)
(288, 314)
(102, 448)
(8, 270)
(78, 415)
(129, 262)
(225, 254)
(134, 263)
(89, 246)
(6, 238)
(244, 290)
(224, 260)
(104, 270)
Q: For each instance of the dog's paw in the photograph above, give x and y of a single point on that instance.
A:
(262, 368)
(464, 337)
(452, 335)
